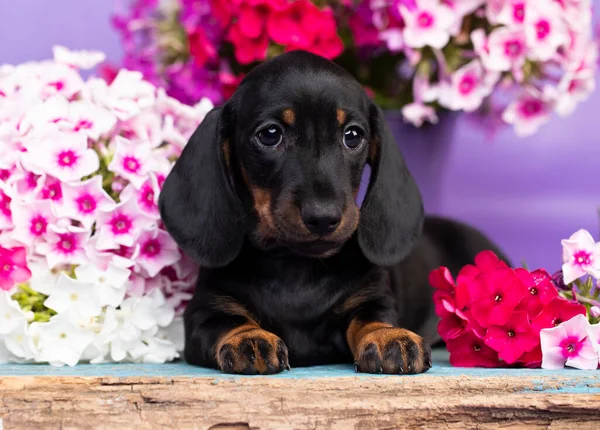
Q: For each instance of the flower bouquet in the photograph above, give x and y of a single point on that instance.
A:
(495, 316)
(517, 60)
(87, 271)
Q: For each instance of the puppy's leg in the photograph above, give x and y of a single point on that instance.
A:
(222, 334)
(377, 345)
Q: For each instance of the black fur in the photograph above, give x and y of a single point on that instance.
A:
(236, 207)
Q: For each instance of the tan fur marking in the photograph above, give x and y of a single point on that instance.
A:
(227, 154)
(231, 307)
(341, 116)
(358, 330)
(357, 299)
(373, 150)
(289, 116)
(262, 205)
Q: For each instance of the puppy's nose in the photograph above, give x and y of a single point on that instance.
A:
(321, 218)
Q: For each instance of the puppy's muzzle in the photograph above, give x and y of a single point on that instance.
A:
(321, 218)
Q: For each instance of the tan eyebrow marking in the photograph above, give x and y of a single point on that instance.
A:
(341, 116)
(289, 117)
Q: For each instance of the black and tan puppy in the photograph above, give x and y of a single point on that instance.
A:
(293, 272)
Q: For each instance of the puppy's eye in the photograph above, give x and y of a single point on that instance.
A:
(353, 137)
(270, 136)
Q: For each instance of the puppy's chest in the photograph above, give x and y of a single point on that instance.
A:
(296, 300)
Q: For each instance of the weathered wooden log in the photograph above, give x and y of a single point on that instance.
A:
(318, 398)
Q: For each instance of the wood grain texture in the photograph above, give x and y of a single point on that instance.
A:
(443, 398)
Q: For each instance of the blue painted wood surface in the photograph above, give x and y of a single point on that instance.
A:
(572, 380)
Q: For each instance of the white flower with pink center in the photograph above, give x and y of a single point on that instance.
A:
(83, 200)
(121, 226)
(59, 79)
(64, 156)
(468, 87)
(28, 185)
(31, 221)
(545, 30)
(89, 119)
(528, 113)
(64, 246)
(581, 256)
(121, 256)
(77, 116)
(51, 190)
(574, 88)
(157, 251)
(428, 24)
(512, 13)
(84, 60)
(132, 161)
(146, 197)
(503, 51)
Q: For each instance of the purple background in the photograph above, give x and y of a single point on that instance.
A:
(526, 194)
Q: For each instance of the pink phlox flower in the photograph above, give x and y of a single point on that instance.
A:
(146, 197)
(574, 88)
(13, 267)
(429, 24)
(64, 246)
(120, 256)
(121, 225)
(51, 190)
(530, 111)
(569, 344)
(581, 256)
(31, 221)
(56, 78)
(132, 161)
(157, 251)
(145, 127)
(504, 50)
(83, 200)
(65, 156)
(513, 339)
(514, 12)
(468, 87)
(545, 30)
(556, 312)
(495, 295)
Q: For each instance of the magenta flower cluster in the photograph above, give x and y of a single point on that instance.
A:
(518, 60)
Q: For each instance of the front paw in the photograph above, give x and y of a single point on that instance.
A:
(252, 351)
(392, 350)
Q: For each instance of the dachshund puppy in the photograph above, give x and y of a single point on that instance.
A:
(293, 271)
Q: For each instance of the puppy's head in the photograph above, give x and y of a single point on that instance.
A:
(281, 163)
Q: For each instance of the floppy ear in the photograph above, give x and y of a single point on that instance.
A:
(197, 203)
(391, 217)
